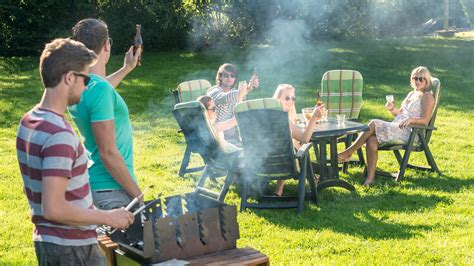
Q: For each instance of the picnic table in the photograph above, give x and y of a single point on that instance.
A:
(328, 133)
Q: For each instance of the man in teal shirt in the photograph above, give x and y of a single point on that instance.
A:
(103, 119)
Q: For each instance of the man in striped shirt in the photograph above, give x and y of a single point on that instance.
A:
(226, 97)
(53, 164)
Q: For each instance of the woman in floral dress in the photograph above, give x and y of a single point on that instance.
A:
(416, 108)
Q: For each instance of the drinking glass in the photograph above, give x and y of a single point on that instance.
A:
(340, 119)
(307, 112)
(389, 98)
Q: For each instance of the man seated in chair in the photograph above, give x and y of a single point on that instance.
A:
(225, 97)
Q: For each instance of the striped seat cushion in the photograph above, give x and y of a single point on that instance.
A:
(265, 103)
(341, 92)
(192, 89)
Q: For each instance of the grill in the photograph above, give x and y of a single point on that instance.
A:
(180, 226)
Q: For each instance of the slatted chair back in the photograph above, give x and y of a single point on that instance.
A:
(199, 133)
(436, 89)
(341, 92)
(266, 138)
(191, 90)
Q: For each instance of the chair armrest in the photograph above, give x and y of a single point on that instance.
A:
(303, 149)
(421, 127)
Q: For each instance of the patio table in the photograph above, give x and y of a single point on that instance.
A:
(327, 133)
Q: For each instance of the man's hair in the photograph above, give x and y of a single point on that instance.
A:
(227, 67)
(61, 56)
(91, 32)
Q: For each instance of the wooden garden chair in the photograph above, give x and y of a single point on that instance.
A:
(190, 90)
(417, 142)
(185, 92)
(341, 92)
(269, 155)
(201, 138)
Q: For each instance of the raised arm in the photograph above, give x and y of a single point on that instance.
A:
(129, 63)
(305, 136)
(233, 96)
(104, 134)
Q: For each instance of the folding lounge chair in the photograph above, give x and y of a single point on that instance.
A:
(189, 91)
(418, 142)
(202, 139)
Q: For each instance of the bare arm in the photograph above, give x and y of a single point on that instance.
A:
(427, 105)
(305, 136)
(392, 109)
(104, 134)
(129, 63)
(57, 208)
(225, 125)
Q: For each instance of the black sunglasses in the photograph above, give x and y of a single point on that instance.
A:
(227, 75)
(212, 109)
(420, 79)
(86, 78)
(288, 98)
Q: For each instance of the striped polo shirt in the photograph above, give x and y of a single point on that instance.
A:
(47, 146)
(224, 101)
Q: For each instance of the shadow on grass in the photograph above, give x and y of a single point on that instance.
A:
(361, 216)
(369, 214)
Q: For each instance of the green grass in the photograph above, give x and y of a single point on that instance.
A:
(425, 219)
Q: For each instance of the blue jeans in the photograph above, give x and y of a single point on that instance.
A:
(110, 199)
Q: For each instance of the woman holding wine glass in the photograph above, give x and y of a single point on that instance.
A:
(416, 108)
(285, 93)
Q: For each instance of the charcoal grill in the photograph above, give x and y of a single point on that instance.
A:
(180, 226)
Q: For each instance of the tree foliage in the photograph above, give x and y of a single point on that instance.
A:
(25, 26)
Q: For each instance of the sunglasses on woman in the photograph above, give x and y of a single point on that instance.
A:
(212, 109)
(420, 79)
(228, 75)
(288, 98)
(86, 78)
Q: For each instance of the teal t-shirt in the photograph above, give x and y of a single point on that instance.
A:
(101, 102)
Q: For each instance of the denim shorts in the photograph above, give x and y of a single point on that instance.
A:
(110, 199)
(52, 254)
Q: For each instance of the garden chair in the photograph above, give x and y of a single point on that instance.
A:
(417, 142)
(341, 92)
(190, 90)
(201, 138)
(269, 155)
(185, 92)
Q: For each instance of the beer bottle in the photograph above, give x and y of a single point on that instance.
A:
(319, 100)
(138, 42)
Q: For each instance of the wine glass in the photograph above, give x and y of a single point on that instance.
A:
(389, 98)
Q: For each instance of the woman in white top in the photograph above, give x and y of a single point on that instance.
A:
(416, 108)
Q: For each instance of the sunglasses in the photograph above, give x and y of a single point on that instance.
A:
(288, 98)
(420, 79)
(86, 78)
(110, 41)
(212, 109)
(227, 75)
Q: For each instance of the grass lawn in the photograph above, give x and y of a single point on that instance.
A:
(427, 218)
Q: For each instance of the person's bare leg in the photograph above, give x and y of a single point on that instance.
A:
(279, 187)
(346, 154)
(371, 151)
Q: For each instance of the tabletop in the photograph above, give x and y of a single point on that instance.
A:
(332, 129)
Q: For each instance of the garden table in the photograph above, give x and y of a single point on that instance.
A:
(328, 133)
